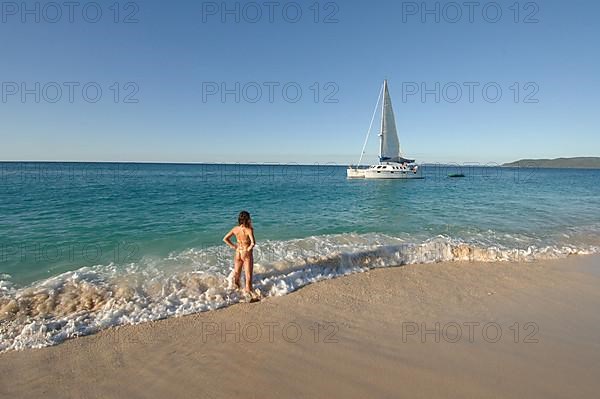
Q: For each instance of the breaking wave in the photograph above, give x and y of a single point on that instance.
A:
(89, 299)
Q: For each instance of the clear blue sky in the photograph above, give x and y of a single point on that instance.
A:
(175, 48)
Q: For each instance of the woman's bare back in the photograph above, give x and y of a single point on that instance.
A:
(243, 238)
(244, 235)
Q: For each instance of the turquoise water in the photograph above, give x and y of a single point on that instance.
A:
(101, 228)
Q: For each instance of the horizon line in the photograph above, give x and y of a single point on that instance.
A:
(329, 163)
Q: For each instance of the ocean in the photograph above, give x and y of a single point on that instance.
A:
(86, 246)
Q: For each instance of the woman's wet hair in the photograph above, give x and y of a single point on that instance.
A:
(244, 219)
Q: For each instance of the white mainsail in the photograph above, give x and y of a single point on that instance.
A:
(389, 145)
(389, 150)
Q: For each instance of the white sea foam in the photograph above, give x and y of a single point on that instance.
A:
(87, 300)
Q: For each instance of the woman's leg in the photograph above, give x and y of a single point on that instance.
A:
(248, 269)
(237, 270)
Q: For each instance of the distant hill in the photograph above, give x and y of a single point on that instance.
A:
(580, 162)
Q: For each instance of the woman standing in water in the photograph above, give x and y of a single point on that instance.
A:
(244, 235)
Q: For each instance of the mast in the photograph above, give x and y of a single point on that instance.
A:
(382, 120)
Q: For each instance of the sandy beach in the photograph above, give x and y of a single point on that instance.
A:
(485, 330)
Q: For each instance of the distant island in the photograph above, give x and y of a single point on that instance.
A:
(578, 162)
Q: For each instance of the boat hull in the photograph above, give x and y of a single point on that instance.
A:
(354, 173)
(385, 171)
(371, 174)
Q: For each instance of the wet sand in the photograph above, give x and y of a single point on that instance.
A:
(495, 330)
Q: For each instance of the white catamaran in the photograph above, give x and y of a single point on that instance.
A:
(392, 165)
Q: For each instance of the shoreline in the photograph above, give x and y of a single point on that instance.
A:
(90, 299)
(371, 333)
